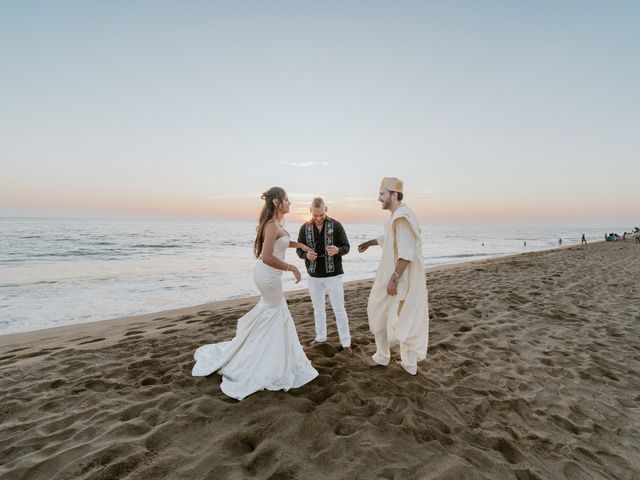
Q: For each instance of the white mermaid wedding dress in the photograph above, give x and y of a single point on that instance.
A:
(266, 352)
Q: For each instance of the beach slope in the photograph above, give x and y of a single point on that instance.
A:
(532, 373)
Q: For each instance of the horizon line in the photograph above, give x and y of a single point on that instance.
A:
(596, 223)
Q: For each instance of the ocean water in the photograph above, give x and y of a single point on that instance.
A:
(57, 272)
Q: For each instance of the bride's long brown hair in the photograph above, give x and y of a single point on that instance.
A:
(267, 214)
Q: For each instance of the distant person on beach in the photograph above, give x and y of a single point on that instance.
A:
(525, 243)
(266, 352)
(637, 236)
(328, 242)
(584, 240)
(397, 307)
(560, 241)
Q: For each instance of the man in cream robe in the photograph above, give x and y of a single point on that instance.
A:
(397, 307)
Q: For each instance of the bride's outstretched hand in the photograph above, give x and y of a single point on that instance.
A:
(363, 246)
(296, 273)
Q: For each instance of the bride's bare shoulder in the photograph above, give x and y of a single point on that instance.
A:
(271, 228)
(276, 227)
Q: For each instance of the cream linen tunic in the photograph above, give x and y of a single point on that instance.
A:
(405, 315)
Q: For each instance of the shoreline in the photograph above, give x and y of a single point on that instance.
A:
(125, 280)
(113, 325)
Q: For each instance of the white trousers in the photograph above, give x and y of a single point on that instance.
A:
(333, 286)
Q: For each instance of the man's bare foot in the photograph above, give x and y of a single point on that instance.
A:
(315, 343)
(372, 363)
(347, 351)
(399, 362)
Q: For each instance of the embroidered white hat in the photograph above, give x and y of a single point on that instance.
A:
(392, 184)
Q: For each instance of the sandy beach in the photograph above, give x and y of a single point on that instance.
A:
(532, 373)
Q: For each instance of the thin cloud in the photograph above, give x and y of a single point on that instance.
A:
(425, 194)
(303, 195)
(359, 206)
(227, 196)
(360, 199)
(298, 196)
(306, 164)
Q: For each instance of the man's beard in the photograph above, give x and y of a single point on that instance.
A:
(386, 205)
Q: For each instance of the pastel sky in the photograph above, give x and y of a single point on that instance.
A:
(488, 110)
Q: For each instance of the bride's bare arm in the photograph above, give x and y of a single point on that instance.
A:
(301, 246)
(364, 245)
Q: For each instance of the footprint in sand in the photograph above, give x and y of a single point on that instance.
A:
(526, 474)
(508, 450)
(348, 426)
(167, 332)
(58, 383)
(133, 332)
(17, 350)
(573, 471)
(97, 385)
(162, 327)
(91, 341)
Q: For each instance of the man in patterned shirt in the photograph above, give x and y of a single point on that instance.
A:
(329, 242)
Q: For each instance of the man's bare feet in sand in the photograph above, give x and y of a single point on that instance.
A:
(347, 351)
(372, 363)
(315, 343)
(399, 362)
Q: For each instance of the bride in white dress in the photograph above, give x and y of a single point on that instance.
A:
(266, 352)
